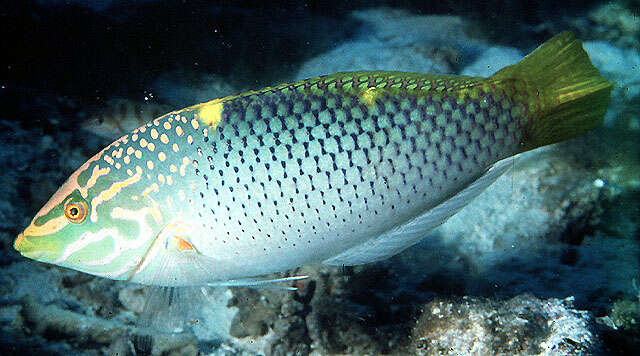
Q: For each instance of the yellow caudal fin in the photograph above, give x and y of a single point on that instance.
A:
(574, 96)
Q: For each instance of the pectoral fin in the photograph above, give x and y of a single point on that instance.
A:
(174, 260)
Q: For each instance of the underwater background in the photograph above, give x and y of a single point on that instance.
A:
(546, 261)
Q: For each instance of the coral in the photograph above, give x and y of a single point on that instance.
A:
(617, 23)
(524, 325)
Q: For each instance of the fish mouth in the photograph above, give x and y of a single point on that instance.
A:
(28, 249)
(19, 243)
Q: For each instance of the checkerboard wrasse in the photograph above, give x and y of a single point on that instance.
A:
(342, 169)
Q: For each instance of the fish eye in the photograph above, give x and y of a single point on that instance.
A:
(75, 212)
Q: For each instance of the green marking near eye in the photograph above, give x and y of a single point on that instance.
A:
(53, 213)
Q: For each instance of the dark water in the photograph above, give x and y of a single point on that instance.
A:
(546, 261)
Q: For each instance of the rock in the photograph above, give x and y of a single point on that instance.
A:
(98, 294)
(397, 40)
(620, 326)
(369, 56)
(121, 347)
(53, 322)
(269, 322)
(621, 66)
(132, 297)
(523, 325)
(11, 319)
(356, 312)
(23, 278)
(616, 23)
(253, 317)
(491, 60)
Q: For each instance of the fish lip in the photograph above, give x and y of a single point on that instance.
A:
(18, 242)
(27, 248)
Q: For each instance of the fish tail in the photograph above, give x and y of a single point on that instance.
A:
(571, 97)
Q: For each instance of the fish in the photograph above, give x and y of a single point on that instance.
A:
(343, 169)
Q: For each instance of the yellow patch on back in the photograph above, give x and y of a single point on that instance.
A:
(210, 113)
(370, 95)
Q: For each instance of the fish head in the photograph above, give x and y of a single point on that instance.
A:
(98, 222)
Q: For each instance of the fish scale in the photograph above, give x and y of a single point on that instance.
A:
(347, 168)
(311, 171)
